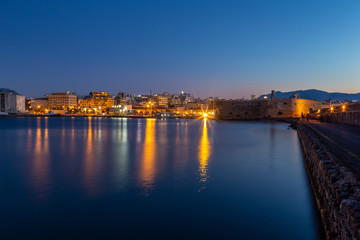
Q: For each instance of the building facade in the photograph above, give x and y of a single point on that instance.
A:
(11, 102)
(39, 103)
(62, 100)
(98, 100)
(162, 101)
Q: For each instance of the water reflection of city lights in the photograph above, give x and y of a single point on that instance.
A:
(148, 168)
(89, 160)
(204, 153)
(41, 155)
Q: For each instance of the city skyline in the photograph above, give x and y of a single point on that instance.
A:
(309, 94)
(227, 49)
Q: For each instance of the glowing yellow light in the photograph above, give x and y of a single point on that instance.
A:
(205, 115)
(332, 109)
(343, 107)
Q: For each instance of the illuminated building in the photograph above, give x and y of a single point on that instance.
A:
(97, 99)
(39, 103)
(62, 100)
(120, 109)
(162, 101)
(110, 102)
(85, 102)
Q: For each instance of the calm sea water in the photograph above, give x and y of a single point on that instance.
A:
(94, 178)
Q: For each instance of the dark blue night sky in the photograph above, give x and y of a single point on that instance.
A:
(207, 48)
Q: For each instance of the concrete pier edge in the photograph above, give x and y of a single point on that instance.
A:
(336, 188)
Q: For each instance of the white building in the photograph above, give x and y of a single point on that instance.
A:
(11, 102)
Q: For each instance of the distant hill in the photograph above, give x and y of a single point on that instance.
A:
(8, 90)
(314, 94)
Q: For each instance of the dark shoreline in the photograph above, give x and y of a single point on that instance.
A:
(79, 116)
(285, 120)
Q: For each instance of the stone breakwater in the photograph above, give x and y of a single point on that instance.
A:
(336, 188)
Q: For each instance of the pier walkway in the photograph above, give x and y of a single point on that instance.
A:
(343, 141)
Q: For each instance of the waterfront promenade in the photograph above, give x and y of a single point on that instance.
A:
(331, 156)
(343, 141)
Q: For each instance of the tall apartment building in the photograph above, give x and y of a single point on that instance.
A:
(62, 99)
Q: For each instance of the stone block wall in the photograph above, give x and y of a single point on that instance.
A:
(239, 110)
(262, 108)
(336, 188)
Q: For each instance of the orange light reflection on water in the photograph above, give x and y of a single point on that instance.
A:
(40, 165)
(204, 153)
(148, 168)
(89, 160)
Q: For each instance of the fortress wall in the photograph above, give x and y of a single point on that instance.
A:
(261, 109)
(239, 110)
